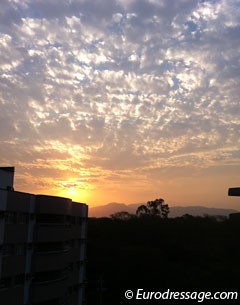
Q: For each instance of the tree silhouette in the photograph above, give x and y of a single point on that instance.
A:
(142, 210)
(155, 207)
(123, 215)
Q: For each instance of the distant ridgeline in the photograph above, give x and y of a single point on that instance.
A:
(175, 211)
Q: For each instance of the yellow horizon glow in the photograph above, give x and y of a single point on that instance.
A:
(177, 184)
(206, 191)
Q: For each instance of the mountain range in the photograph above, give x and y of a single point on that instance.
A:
(175, 211)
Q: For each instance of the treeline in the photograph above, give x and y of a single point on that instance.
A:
(186, 253)
(156, 208)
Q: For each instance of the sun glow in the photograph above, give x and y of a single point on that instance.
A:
(72, 191)
(78, 192)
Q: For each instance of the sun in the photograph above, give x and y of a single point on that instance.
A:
(69, 189)
(72, 190)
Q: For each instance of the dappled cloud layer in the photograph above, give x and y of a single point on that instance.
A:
(121, 100)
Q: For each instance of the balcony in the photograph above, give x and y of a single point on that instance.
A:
(48, 285)
(13, 265)
(12, 295)
(50, 260)
(53, 205)
(16, 233)
(52, 233)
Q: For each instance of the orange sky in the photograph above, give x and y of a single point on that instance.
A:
(123, 101)
(204, 187)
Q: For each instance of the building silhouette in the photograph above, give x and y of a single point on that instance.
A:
(42, 247)
(234, 217)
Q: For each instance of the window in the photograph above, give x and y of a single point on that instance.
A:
(70, 290)
(50, 219)
(10, 217)
(32, 216)
(49, 247)
(28, 276)
(70, 267)
(20, 249)
(5, 283)
(49, 302)
(19, 279)
(66, 245)
(29, 246)
(48, 276)
(7, 249)
(75, 243)
(65, 300)
(71, 243)
(2, 284)
(73, 221)
(2, 214)
(8, 282)
(79, 264)
(68, 219)
(22, 218)
(78, 220)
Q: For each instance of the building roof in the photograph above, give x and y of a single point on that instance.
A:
(7, 169)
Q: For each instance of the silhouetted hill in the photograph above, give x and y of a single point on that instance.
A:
(175, 211)
(199, 211)
(110, 208)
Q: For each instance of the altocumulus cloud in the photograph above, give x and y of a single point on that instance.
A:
(115, 90)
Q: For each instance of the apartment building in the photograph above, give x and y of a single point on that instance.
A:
(42, 247)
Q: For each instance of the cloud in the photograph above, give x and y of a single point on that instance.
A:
(130, 86)
(10, 13)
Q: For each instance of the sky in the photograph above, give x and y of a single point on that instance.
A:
(122, 100)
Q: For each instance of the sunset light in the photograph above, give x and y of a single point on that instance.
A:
(135, 101)
(119, 152)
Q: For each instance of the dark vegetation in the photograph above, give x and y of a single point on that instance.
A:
(156, 253)
(155, 207)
